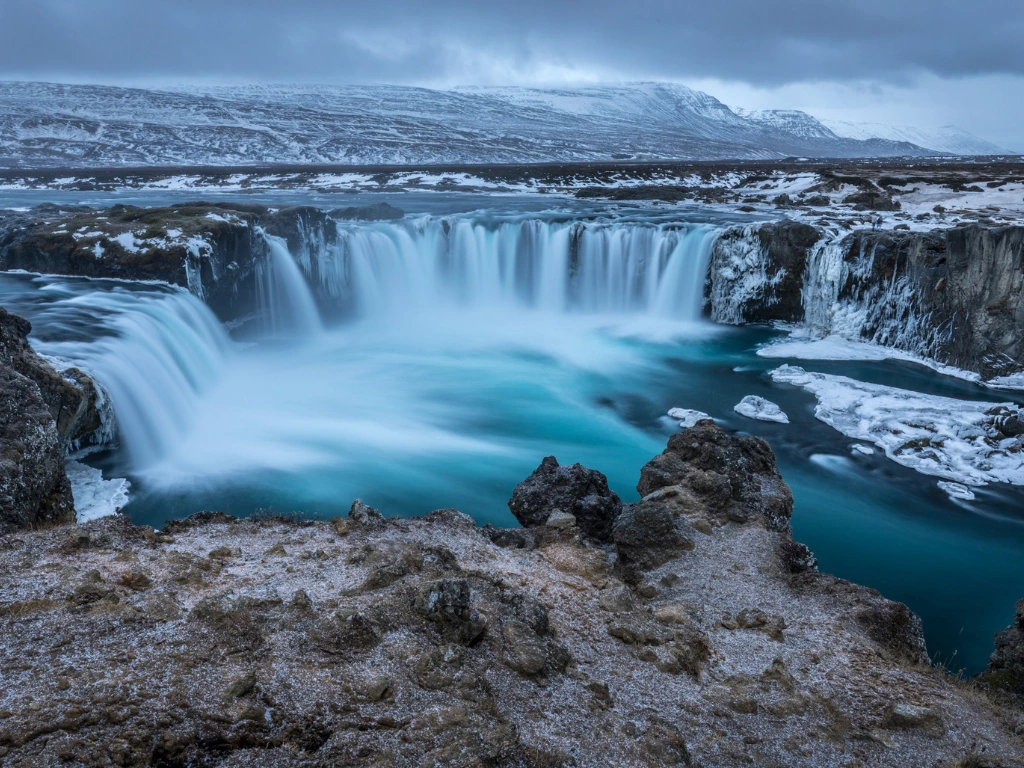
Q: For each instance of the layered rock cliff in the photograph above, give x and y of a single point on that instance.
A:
(954, 295)
(685, 629)
(213, 250)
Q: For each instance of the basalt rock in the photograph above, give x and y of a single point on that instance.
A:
(579, 491)
(41, 412)
(736, 477)
(756, 273)
(646, 535)
(34, 488)
(955, 295)
(1005, 670)
(71, 398)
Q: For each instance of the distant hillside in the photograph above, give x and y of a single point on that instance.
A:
(52, 125)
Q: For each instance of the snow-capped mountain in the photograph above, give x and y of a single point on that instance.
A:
(51, 125)
(945, 140)
(795, 122)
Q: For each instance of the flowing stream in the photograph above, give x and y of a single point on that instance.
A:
(434, 362)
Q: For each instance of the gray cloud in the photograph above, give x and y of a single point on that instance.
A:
(760, 42)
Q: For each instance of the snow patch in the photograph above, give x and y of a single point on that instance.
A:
(94, 496)
(957, 491)
(941, 436)
(754, 407)
(687, 417)
(800, 345)
(129, 242)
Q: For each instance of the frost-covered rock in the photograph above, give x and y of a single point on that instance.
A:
(952, 439)
(572, 489)
(754, 407)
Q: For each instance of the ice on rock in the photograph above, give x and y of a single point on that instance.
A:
(94, 496)
(754, 407)
(687, 417)
(865, 450)
(952, 439)
(957, 491)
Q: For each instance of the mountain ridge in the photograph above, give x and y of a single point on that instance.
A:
(49, 125)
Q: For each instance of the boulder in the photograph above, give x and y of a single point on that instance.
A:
(364, 514)
(647, 535)
(574, 490)
(735, 477)
(530, 653)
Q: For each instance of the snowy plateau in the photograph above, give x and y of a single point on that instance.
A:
(45, 125)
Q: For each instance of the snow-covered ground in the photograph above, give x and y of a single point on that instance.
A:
(46, 125)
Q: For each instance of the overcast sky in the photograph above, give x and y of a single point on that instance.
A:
(926, 62)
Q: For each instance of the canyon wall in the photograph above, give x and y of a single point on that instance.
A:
(954, 295)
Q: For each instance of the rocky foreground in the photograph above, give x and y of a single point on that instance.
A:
(685, 629)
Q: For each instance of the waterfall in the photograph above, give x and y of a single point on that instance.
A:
(158, 350)
(287, 305)
(591, 267)
(824, 277)
(153, 350)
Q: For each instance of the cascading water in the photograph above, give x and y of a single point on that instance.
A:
(287, 305)
(154, 350)
(620, 268)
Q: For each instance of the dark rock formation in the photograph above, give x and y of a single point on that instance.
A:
(647, 534)
(736, 478)
(581, 492)
(41, 412)
(782, 249)
(955, 295)
(1005, 670)
(871, 200)
(34, 489)
(70, 398)
(214, 250)
(375, 212)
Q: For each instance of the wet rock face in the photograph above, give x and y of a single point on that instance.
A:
(736, 477)
(575, 490)
(71, 398)
(955, 295)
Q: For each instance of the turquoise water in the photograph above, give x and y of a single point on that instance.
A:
(452, 408)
